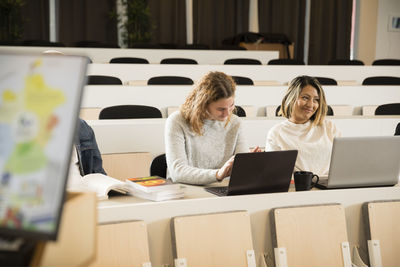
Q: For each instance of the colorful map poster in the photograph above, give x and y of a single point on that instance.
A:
(39, 102)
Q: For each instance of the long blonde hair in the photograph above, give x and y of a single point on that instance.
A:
(212, 87)
(293, 92)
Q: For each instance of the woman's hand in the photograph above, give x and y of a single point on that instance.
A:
(255, 149)
(225, 170)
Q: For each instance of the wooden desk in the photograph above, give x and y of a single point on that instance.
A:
(157, 215)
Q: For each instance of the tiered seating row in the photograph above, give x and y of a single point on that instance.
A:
(261, 75)
(154, 56)
(262, 100)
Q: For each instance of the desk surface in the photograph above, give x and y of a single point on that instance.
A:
(190, 191)
(157, 215)
(198, 192)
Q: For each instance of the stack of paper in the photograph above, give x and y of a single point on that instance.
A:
(154, 188)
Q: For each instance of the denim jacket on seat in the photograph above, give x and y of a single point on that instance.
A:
(88, 153)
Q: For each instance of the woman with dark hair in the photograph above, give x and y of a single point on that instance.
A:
(306, 128)
(202, 138)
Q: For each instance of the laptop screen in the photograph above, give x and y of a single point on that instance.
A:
(39, 104)
(262, 172)
(364, 161)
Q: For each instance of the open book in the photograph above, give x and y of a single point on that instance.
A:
(102, 184)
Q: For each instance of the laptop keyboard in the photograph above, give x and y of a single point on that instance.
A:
(218, 190)
(10, 244)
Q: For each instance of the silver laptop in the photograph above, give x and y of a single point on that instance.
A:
(363, 162)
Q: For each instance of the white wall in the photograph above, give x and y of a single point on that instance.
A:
(387, 42)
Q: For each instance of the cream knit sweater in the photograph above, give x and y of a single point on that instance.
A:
(314, 143)
(195, 159)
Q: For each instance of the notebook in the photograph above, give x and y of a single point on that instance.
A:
(256, 173)
(363, 162)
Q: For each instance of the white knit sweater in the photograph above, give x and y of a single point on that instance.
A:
(195, 159)
(314, 143)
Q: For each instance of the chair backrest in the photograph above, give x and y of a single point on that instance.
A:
(328, 113)
(216, 239)
(127, 165)
(345, 62)
(159, 166)
(129, 112)
(116, 243)
(386, 62)
(381, 80)
(326, 81)
(169, 80)
(388, 109)
(239, 111)
(242, 61)
(178, 61)
(89, 113)
(103, 80)
(239, 80)
(382, 221)
(286, 61)
(129, 60)
(310, 235)
(79, 212)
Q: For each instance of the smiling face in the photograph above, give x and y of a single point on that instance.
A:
(305, 106)
(221, 109)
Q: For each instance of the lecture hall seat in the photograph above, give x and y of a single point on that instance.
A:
(159, 166)
(286, 61)
(242, 61)
(240, 80)
(103, 80)
(386, 62)
(129, 60)
(310, 235)
(381, 80)
(388, 109)
(170, 80)
(129, 112)
(345, 62)
(178, 61)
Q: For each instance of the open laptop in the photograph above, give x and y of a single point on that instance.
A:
(363, 162)
(256, 173)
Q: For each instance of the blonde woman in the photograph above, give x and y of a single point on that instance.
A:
(306, 128)
(203, 136)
